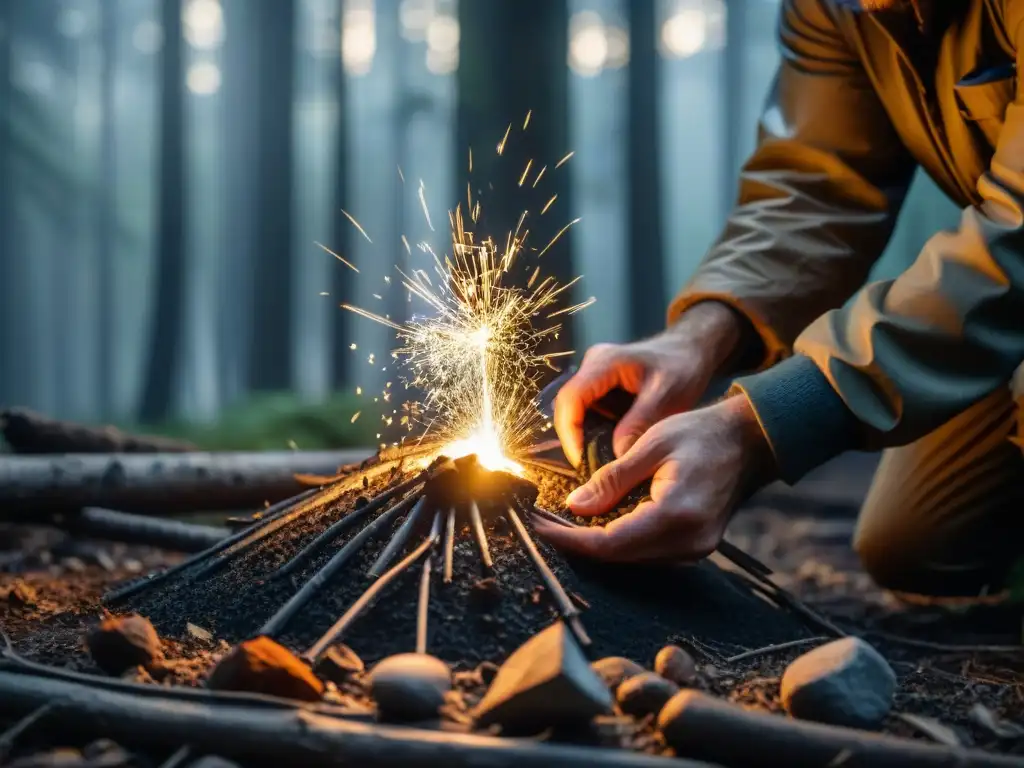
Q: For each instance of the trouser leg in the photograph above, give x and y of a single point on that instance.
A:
(945, 515)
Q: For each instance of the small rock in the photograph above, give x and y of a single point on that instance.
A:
(545, 682)
(104, 753)
(118, 644)
(845, 682)
(105, 561)
(131, 565)
(410, 686)
(676, 665)
(614, 670)
(339, 664)
(645, 694)
(55, 758)
(199, 633)
(263, 666)
(74, 564)
(21, 594)
(487, 670)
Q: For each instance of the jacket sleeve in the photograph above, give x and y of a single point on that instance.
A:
(906, 355)
(819, 197)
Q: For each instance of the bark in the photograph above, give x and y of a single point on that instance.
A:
(708, 729)
(646, 251)
(512, 62)
(26, 432)
(270, 344)
(155, 484)
(277, 736)
(106, 213)
(168, 290)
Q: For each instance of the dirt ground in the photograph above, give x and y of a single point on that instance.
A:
(53, 586)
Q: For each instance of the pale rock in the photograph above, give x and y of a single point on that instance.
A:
(645, 694)
(410, 686)
(675, 664)
(844, 682)
(614, 670)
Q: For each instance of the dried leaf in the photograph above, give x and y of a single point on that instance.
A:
(199, 633)
(985, 718)
(932, 728)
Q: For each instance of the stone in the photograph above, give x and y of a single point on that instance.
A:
(676, 665)
(546, 682)
(645, 694)
(121, 643)
(410, 686)
(263, 666)
(844, 682)
(339, 664)
(203, 635)
(614, 670)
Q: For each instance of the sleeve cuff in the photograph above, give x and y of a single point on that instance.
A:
(805, 421)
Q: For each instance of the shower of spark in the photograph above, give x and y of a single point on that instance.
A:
(476, 354)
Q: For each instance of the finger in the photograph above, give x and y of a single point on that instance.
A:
(610, 483)
(635, 537)
(598, 375)
(646, 411)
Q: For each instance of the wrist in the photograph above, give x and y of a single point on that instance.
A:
(714, 331)
(759, 467)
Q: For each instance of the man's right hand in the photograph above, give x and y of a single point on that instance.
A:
(668, 373)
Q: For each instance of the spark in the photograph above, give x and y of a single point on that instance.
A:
(526, 122)
(357, 225)
(347, 263)
(564, 160)
(470, 352)
(354, 417)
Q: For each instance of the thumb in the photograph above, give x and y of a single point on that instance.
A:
(609, 484)
(647, 410)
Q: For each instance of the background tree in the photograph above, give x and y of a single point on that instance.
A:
(106, 207)
(270, 344)
(646, 253)
(170, 277)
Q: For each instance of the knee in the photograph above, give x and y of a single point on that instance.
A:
(886, 553)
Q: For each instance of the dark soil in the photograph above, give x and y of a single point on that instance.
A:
(944, 660)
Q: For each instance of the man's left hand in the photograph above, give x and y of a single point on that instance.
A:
(702, 464)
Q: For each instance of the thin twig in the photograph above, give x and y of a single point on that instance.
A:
(400, 538)
(945, 647)
(449, 546)
(480, 533)
(546, 466)
(12, 734)
(178, 758)
(770, 649)
(423, 608)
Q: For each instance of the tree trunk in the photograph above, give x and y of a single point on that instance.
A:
(270, 351)
(168, 299)
(512, 61)
(646, 253)
(106, 213)
(8, 321)
(344, 280)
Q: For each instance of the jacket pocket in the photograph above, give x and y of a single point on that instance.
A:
(983, 97)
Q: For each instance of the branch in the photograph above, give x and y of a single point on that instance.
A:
(110, 525)
(283, 736)
(27, 432)
(155, 484)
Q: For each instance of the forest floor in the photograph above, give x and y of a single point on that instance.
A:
(957, 678)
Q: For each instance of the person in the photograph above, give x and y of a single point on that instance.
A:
(920, 365)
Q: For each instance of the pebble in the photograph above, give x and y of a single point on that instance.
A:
(614, 670)
(645, 694)
(212, 761)
(119, 644)
(675, 664)
(844, 682)
(410, 686)
(339, 664)
(546, 682)
(263, 666)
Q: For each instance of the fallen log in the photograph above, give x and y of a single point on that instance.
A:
(284, 736)
(162, 483)
(704, 728)
(111, 525)
(27, 432)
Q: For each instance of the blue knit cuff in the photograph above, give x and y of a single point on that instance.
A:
(805, 421)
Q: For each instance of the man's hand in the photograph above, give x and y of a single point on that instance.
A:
(703, 463)
(668, 373)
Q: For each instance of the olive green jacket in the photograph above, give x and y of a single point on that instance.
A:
(859, 101)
